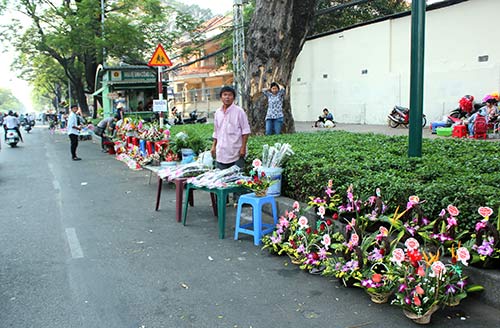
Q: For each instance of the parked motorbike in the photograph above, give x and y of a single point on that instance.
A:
(12, 138)
(466, 107)
(401, 116)
(193, 118)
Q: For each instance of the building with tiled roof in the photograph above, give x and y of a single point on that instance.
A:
(197, 79)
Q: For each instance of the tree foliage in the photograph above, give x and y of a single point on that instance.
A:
(226, 58)
(9, 102)
(352, 15)
(71, 34)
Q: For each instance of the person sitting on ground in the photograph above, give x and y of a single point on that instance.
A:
(325, 119)
(491, 108)
(472, 119)
(104, 129)
(177, 116)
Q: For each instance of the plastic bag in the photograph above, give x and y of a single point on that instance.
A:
(206, 159)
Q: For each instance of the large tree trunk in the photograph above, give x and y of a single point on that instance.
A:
(275, 38)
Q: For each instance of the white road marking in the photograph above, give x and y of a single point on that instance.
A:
(74, 244)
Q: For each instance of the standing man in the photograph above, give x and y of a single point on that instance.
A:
(74, 131)
(231, 131)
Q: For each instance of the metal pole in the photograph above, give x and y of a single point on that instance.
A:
(417, 77)
(102, 33)
(239, 50)
(160, 94)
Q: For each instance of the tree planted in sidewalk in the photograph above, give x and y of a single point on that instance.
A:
(276, 35)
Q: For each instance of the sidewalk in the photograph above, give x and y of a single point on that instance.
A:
(364, 128)
(371, 128)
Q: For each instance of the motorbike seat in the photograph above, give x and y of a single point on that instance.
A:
(401, 108)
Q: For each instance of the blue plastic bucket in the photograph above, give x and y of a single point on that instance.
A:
(142, 147)
(274, 173)
(187, 155)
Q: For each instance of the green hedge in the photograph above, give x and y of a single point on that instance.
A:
(462, 172)
(203, 130)
(200, 135)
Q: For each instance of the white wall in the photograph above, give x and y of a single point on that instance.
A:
(455, 36)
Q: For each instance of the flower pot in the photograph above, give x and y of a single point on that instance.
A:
(261, 193)
(150, 149)
(295, 260)
(379, 298)
(452, 302)
(348, 282)
(423, 319)
(142, 147)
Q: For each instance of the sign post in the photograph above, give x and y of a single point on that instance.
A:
(160, 59)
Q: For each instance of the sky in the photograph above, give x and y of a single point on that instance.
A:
(217, 6)
(9, 79)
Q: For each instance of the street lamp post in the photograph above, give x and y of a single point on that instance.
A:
(417, 77)
(102, 34)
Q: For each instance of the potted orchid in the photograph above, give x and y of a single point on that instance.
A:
(485, 242)
(285, 228)
(425, 282)
(378, 278)
(319, 243)
(378, 281)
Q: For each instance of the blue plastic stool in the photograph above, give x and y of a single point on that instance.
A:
(257, 203)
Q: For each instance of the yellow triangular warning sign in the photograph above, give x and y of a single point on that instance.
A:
(159, 57)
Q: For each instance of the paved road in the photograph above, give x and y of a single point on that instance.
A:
(81, 246)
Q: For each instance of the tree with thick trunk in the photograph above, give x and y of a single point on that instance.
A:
(275, 38)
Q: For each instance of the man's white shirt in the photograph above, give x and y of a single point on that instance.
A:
(11, 122)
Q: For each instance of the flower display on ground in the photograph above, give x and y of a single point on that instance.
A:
(399, 255)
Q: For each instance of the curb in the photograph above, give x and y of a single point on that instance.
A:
(488, 278)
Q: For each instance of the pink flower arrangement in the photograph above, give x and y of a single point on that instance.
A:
(424, 280)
